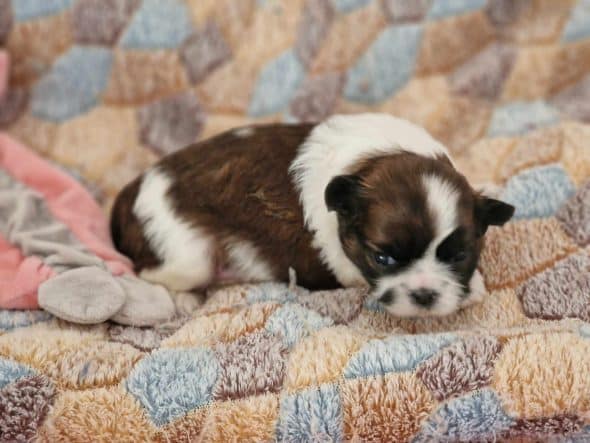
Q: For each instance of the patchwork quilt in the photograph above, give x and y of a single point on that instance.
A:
(105, 87)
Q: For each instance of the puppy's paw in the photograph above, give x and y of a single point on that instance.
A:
(477, 290)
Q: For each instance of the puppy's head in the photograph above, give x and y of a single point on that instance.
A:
(414, 228)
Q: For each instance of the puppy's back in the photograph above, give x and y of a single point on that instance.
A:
(233, 193)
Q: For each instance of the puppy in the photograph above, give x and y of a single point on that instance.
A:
(355, 200)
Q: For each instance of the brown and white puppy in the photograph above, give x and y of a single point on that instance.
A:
(357, 199)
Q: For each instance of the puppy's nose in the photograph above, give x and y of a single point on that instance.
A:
(424, 297)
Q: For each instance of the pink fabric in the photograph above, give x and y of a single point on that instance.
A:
(68, 201)
(3, 72)
(20, 277)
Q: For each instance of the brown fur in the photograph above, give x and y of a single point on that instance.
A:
(237, 187)
(127, 230)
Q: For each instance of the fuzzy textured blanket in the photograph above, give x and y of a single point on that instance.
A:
(105, 87)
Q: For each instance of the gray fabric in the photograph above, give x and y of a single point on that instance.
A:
(145, 304)
(27, 222)
(66, 257)
(83, 295)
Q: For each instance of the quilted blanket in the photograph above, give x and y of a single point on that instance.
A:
(105, 87)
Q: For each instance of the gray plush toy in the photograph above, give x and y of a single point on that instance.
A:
(64, 253)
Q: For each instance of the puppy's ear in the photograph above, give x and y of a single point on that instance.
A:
(489, 211)
(341, 195)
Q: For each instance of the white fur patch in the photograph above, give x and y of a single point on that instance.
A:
(332, 148)
(442, 198)
(246, 264)
(185, 251)
(244, 132)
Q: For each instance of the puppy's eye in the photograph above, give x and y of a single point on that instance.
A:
(459, 257)
(384, 259)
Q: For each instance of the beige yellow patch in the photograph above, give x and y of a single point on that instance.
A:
(142, 76)
(321, 357)
(378, 408)
(460, 122)
(234, 18)
(105, 415)
(521, 249)
(202, 10)
(272, 30)
(576, 155)
(480, 161)
(134, 161)
(221, 327)
(537, 148)
(571, 63)
(449, 42)
(531, 74)
(83, 143)
(500, 309)
(249, 420)
(71, 359)
(344, 106)
(544, 374)
(184, 430)
(421, 101)
(341, 47)
(36, 134)
(221, 94)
